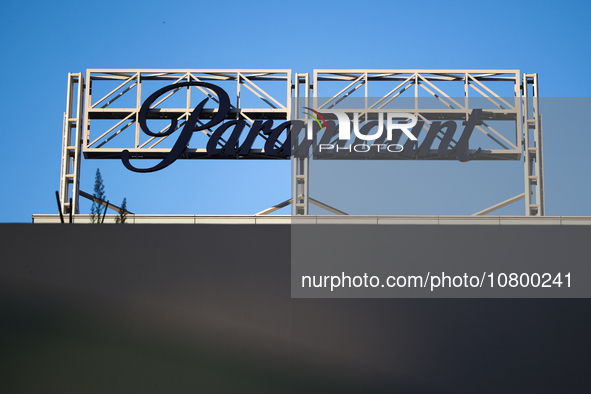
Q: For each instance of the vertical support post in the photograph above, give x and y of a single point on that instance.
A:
(138, 104)
(300, 185)
(300, 165)
(72, 145)
(532, 145)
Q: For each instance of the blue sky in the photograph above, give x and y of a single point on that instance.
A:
(43, 41)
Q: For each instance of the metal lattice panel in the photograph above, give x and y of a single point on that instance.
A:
(432, 95)
(121, 105)
(102, 110)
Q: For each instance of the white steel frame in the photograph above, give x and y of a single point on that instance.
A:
(300, 187)
(131, 83)
(72, 145)
(532, 141)
(523, 108)
(423, 81)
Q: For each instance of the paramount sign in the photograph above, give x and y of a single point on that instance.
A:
(326, 134)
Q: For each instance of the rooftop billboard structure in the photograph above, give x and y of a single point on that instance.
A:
(167, 115)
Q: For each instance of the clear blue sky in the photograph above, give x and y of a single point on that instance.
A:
(42, 41)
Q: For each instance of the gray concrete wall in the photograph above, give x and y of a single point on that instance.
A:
(207, 309)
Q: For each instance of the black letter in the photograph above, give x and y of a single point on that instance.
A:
(231, 145)
(183, 140)
(462, 146)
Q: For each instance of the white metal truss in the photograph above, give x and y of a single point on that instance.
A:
(532, 142)
(121, 105)
(516, 107)
(300, 165)
(99, 143)
(471, 89)
(71, 145)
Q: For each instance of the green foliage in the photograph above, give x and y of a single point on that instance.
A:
(123, 214)
(99, 192)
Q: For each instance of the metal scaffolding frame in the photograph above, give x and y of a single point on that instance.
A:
(532, 142)
(72, 145)
(83, 111)
(300, 187)
(131, 83)
(425, 87)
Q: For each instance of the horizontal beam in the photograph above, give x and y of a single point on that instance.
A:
(416, 71)
(175, 113)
